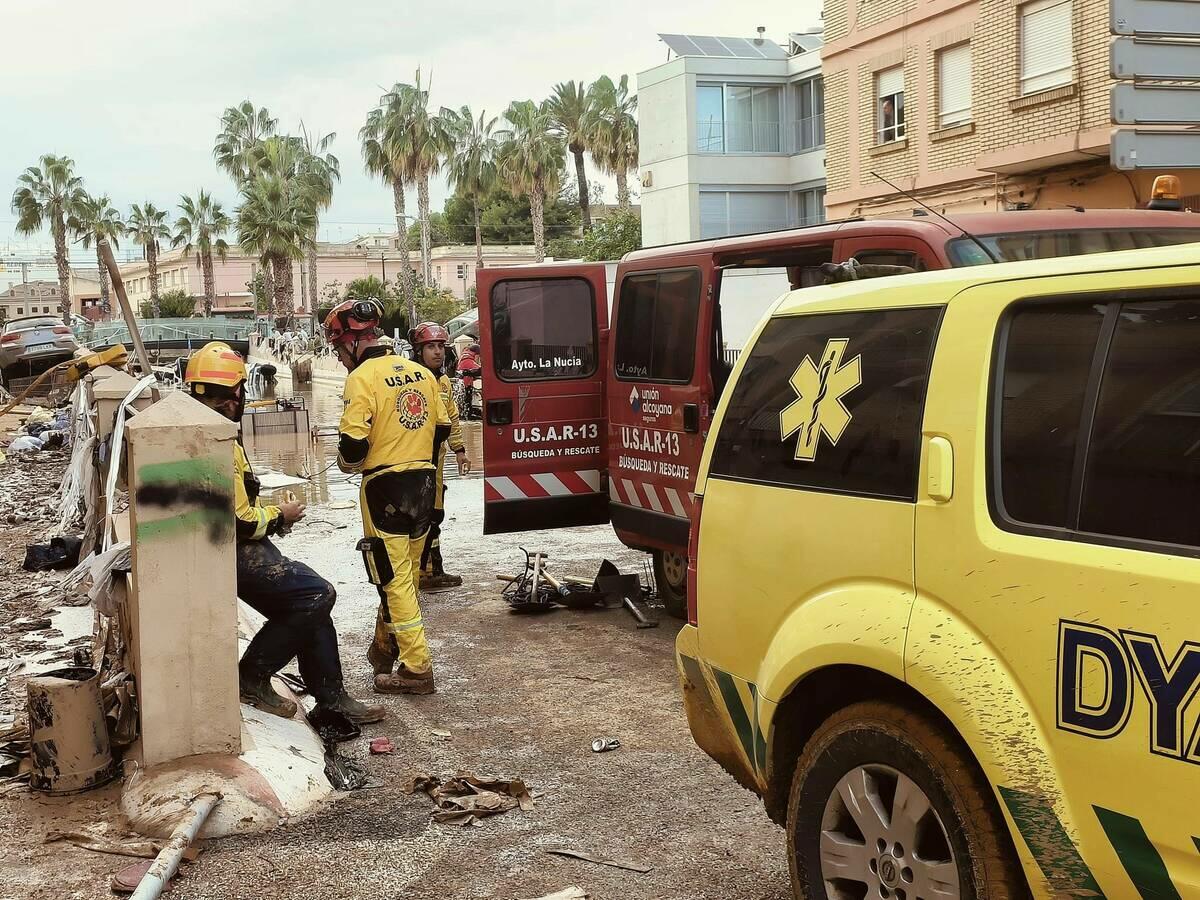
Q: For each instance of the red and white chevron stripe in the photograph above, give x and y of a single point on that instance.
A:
(543, 484)
(642, 494)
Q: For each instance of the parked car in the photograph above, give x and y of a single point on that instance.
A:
(464, 323)
(32, 344)
(942, 560)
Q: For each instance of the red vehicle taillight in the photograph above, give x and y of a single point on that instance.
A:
(7, 338)
(62, 329)
(693, 555)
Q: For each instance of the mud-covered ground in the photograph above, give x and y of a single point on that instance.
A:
(519, 696)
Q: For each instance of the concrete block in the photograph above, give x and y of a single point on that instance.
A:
(183, 609)
(108, 394)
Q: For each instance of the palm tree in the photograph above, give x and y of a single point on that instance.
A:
(614, 131)
(383, 157)
(242, 127)
(147, 226)
(202, 228)
(530, 158)
(277, 215)
(472, 166)
(323, 168)
(51, 191)
(98, 222)
(571, 108)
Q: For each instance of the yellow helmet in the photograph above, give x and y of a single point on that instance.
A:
(216, 364)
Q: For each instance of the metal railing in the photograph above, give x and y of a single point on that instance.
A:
(195, 330)
(806, 134)
(797, 136)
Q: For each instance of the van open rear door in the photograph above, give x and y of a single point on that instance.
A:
(544, 333)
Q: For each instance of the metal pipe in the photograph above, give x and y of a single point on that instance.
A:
(166, 864)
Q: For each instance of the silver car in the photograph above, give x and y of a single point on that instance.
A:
(31, 344)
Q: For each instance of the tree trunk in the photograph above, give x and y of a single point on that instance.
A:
(269, 286)
(623, 188)
(210, 288)
(105, 295)
(423, 213)
(282, 272)
(312, 276)
(478, 235)
(64, 270)
(537, 211)
(152, 262)
(585, 202)
(405, 276)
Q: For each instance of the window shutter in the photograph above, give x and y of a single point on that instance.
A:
(714, 214)
(889, 81)
(1045, 45)
(752, 211)
(954, 86)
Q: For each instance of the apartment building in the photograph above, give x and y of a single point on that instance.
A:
(972, 105)
(42, 297)
(732, 137)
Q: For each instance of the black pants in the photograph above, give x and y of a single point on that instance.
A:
(297, 603)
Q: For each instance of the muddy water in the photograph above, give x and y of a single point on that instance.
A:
(313, 457)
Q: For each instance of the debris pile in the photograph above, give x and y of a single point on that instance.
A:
(464, 799)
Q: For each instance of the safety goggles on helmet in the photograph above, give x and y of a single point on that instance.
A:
(428, 333)
(351, 320)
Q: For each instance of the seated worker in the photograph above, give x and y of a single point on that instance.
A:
(391, 426)
(296, 600)
(429, 349)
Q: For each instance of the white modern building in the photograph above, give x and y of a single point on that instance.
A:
(732, 137)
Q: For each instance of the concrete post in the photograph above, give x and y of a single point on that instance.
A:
(108, 394)
(183, 609)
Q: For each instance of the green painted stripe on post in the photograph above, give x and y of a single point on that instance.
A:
(1142, 862)
(1051, 846)
(737, 712)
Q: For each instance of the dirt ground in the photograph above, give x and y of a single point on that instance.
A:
(520, 696)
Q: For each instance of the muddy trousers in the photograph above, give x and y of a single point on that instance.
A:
(396, 510)
(297, 603)
(431, 552)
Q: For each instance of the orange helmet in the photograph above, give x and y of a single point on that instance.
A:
(216, 364)
(351, 320)
(428, 333)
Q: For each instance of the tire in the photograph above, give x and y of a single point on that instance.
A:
(888, 755)
(670, 578)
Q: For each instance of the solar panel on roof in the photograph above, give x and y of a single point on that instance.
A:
(710, 46)
(725, 47)
(681, 45)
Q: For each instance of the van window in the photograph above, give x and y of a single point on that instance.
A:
(1046, 362)
(867, 373)
(543, 328)
(656, 326)
(1143, 467)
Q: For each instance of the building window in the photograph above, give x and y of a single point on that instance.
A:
(739, 118)
(1045, 45)
(810, 206)
(954, 86)
(742, 212)
(808, 106)
(45, 309)
(889, 105)
(20, 310)
(53, 292)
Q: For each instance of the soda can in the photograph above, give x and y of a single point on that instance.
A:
(604, 744)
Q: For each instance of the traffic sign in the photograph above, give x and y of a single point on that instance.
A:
(1155, 104)
(1162, 150)
(1131, 58)
(1176, 18)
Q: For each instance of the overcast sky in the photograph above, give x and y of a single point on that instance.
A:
(133, 91)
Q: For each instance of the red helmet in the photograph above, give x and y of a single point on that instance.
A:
(351, 320)
(428, 333)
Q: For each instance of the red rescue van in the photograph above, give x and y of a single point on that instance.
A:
(599, 400)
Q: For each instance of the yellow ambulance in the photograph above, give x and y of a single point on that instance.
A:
(945, 563)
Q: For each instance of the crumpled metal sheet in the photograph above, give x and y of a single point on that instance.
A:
(465, 798)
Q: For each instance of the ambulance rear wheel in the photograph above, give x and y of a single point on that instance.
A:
(670, 577)
(887, 803)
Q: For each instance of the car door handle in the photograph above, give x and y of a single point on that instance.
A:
(691, 418)
(939, 470)
(499, 412)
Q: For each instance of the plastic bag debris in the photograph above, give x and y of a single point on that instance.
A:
(382, 745)
(464, 799)
(25, 443)
(60, 553)
(346, 774)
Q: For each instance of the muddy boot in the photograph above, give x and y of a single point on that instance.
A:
(257, 692)
(405, 681)
(358, 712)
(431, 582)
(381, 662)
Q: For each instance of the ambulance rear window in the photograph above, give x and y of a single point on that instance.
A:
(543, 328)
(656, 326)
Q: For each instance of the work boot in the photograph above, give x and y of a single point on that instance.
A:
(257, 692)
(358, 712)
(381, 661)
(405, 681)
(439, 581)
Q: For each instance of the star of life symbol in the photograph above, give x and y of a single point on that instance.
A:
(818, 407)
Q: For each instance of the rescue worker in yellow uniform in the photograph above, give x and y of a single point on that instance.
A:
(296, 601)
(391, 426)
(429, 349)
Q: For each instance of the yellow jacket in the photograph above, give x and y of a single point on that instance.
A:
(393, 416)
(254, 520)
(455, 441)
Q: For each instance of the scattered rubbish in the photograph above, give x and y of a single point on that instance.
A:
(604, 744)
(173, 853)
(332, 725)
(569, 893)
(102, 843)
(341, 504)
(601, 861)
(21, 625)
(60, 553)
(441, 735)
(536, 590)
(14, 751)
(126, 880)
(273, 481)
(627, 588)
(464, 799)
(68, 738)
(346, 774)
(25, 443)
(382, 745)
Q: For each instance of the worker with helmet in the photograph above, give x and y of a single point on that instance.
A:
(469, 369)
(429, 349)
(295, 600)
(391, 426)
